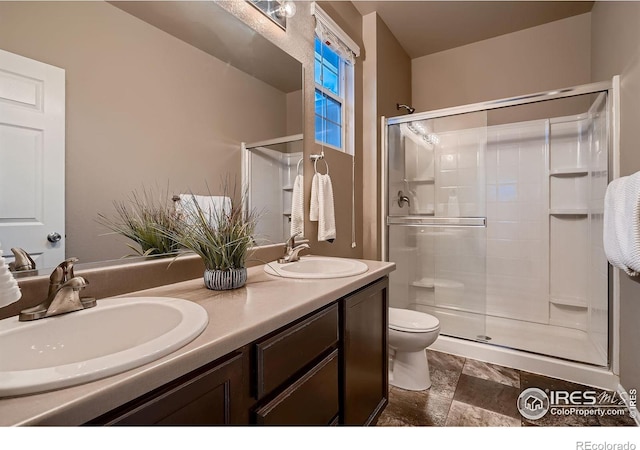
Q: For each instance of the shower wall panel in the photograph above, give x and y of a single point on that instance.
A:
(517, 235)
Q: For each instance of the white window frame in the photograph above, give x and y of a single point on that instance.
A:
(347, 81)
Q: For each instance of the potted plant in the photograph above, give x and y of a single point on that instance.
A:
(148, 219)
(222, 237)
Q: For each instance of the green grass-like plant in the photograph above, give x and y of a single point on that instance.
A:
(146, 218)
(221, 238)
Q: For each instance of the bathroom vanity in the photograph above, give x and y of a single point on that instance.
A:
(276, 352)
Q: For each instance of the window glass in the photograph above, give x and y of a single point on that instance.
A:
(329, 96)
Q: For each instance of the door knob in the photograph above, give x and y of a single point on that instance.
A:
(54, 237)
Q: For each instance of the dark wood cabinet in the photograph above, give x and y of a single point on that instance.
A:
(210, 395)
(365, 358)
(327, 368)
(281, 356)
(311, 400)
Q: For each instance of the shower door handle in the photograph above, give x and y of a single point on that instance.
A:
(421, 221)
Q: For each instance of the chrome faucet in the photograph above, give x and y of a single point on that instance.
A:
(291, 250)
(63, 295)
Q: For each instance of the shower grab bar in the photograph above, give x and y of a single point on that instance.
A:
(417, 221)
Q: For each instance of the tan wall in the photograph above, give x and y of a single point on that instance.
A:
(295, 119)
(616, 51)
(388, 78)
(143, 108)
(340, 164)
(545, 57)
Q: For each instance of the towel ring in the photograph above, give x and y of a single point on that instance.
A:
(315, 165)
(298, 167)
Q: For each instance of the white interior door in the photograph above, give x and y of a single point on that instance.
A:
(32, 158)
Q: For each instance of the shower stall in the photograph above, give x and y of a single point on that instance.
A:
(494, 217)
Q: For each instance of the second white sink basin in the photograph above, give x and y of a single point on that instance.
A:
(117, 335)
(317, 267)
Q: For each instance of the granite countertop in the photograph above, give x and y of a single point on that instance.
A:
(236, 318)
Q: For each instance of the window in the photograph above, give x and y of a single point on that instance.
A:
(335, 55)
(329, 97)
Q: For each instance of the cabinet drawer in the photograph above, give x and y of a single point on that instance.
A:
(312, 400)
(281, 356)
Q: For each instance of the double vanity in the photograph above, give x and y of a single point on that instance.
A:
(283, 350)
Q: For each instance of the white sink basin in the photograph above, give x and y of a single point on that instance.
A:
(317, 267)
(117, 335)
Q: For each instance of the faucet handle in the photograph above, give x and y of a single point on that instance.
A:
(292, 240)
(62, 273)
(67, 268)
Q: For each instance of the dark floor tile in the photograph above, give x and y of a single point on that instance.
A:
(445, 371)
(617, 421)
(417, 408)
(528, 380)
(388, 420)
(496, 397)
(492, 372)
(465, 415)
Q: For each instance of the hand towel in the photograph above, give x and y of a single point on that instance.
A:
(297, 207)
(314, 206)
(9, 290)
(210, 205)
(621, 233)
(322, 209)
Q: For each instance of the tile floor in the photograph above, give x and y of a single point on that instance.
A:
(466, 392)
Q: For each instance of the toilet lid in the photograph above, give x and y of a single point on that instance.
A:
(412, 321)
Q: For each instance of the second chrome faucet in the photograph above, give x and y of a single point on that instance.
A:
(291, 251)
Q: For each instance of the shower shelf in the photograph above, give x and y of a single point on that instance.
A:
(568, 301)
(422, 284)
(573, 171)
(430, 283)
(569, 212)
(429, 180)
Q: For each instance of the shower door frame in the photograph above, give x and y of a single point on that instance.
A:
(612, 88)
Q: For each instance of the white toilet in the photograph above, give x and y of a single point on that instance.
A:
(410, 333)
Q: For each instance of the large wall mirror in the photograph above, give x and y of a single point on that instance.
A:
(157, 95)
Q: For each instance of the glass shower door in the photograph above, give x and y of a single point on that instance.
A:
(436, 225)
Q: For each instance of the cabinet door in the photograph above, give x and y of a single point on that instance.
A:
(210, 395)
(365, 354)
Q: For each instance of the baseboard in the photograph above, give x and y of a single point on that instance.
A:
(586, 374)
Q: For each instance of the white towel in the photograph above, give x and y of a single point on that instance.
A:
(297, 207)
(621, 234)
(9, 290)
(322, 209)
(211, 206)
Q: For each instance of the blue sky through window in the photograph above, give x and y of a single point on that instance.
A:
(328, 97)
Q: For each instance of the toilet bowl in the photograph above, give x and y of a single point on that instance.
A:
(410, 333)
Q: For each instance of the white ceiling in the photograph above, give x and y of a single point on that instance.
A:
(425, 27)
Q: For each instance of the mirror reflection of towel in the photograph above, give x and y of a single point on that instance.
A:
(212, 207)
(297, 207)
(322, 209)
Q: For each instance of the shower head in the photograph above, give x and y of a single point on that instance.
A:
(409, 109)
